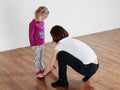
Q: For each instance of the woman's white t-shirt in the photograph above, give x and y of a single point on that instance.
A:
(77, 48)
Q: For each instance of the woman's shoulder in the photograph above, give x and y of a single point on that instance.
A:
(65, 40)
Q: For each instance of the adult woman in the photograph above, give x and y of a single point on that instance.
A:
(72, 52)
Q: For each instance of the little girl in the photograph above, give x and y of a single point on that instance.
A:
(36, 37)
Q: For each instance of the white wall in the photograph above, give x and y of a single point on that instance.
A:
(79, 17)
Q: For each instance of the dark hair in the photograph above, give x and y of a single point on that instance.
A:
(58, 32)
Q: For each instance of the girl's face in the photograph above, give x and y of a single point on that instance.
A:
(42, 17)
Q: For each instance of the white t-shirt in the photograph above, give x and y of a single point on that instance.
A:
(77, 48)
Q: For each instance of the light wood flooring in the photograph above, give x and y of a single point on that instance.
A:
(17, 66)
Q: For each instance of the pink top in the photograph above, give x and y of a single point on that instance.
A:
(36, 33)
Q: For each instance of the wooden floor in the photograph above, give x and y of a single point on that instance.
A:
(17, 66)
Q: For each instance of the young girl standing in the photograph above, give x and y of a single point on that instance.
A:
(36, 37)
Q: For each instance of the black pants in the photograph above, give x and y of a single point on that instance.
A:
(65, 59)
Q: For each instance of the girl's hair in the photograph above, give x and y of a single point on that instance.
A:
(57, 32)
(42, 10)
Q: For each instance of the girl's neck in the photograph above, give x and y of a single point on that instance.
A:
(37, 20)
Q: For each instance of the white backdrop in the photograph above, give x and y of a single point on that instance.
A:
(79, 17)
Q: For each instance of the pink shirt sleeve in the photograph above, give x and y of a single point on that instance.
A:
(31, 33)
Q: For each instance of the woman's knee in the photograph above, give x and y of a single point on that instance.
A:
(61, 54)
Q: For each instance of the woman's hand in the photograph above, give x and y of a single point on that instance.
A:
(48, 69)
(51, 64)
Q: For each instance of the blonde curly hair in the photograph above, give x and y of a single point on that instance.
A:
(42, 10)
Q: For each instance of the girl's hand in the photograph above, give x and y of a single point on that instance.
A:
(33, 48)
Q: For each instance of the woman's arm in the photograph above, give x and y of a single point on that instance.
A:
(51, 63)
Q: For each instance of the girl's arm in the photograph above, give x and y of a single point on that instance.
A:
(31, 33)
(51, 63)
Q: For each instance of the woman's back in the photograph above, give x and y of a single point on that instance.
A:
(77, 48)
